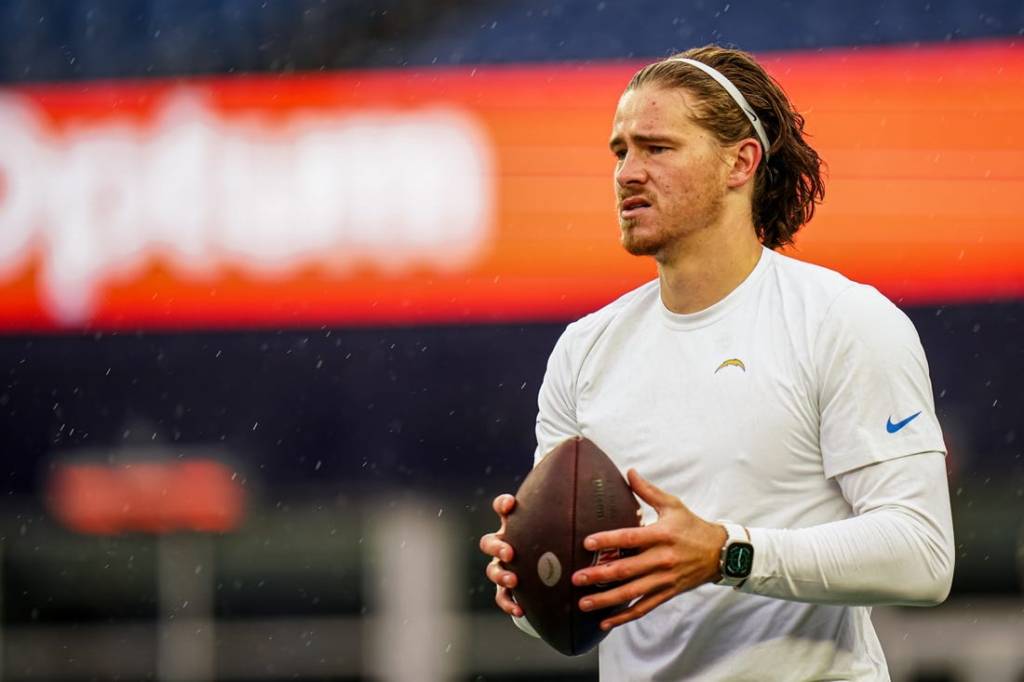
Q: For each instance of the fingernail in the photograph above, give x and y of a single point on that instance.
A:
(582, 579)
(606, 626)
(586, 605)
(518, 612)
(505, 555)
(507, 580)
(590, 543)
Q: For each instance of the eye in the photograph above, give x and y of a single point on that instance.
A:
(658, 149)
(620, 154)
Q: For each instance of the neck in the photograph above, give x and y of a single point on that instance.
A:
(706, 266)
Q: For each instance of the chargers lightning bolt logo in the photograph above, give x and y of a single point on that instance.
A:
(893, 428)
(732, 362)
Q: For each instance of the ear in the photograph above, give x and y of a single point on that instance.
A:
(748, 155)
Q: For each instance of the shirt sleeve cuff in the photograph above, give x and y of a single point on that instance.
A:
(765, 566)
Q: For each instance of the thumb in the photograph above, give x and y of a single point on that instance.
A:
(650, 493)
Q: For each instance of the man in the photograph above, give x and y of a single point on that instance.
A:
(789, 407)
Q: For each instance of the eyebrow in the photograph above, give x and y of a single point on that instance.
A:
(642, 139)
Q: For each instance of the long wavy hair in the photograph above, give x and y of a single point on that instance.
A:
(789, 184)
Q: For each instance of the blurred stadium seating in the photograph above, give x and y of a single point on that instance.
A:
(175, 289)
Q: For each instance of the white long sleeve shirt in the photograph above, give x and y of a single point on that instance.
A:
(798, 406)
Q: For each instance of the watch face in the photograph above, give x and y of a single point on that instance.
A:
(739, 559)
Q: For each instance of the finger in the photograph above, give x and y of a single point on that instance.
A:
(503, 598)
(650, 493)
(637, 610)
(622, 594)
(622, 538)
(500, 576)
(503, 504)
(616, 571)
(492, 545)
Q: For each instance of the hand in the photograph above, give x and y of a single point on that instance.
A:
(494, 545)
(678, 552)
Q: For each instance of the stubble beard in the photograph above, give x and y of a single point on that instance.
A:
(638, 245)
(660, 241)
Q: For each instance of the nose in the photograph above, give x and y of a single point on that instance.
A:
(630, 171)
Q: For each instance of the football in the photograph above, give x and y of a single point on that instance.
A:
(575, 490)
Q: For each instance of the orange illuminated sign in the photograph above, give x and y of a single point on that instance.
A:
(146, 496)
(466, 195)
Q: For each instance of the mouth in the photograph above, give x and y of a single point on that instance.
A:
(633, 206)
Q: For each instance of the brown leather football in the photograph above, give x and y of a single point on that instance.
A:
(575, 490)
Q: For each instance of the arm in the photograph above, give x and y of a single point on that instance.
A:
(898, 549)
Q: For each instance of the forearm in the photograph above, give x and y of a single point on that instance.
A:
(878, 558)
(898, 549)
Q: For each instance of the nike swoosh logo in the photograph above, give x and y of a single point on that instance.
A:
(893, 428)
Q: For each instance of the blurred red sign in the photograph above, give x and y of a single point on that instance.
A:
(469, 194)
(151, 497)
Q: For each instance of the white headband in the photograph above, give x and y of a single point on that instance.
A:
(737, 96)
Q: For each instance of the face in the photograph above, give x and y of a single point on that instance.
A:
(670, 177)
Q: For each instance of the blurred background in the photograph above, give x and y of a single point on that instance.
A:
(278, 281)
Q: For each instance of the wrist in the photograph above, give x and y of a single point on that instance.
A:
(719, 536)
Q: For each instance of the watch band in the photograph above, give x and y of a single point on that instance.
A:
(736, 557)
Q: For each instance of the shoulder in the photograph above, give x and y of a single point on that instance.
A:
(834, 312)
(832, 298)
(558, 390)
(861, 314)
(813, 283)
(848, 323)
(584, 333)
